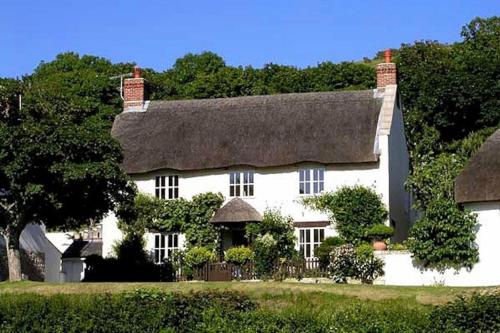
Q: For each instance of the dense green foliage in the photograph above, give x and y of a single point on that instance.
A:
(444, 237)
(239, 255)
(266, 252)
(480, 313)
(352, 210)
(279, 227)
(58, 162)
(347, 261)
(379, 232)
(322, 252)
(131, 264)
(192, 217)
(197, 256)
(161, 311)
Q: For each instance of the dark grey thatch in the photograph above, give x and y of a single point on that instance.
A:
(83, 248)
(480, 179)
(259, 131)
(236, 210)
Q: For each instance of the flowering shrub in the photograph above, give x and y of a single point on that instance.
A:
(357, 263)
(266, 253)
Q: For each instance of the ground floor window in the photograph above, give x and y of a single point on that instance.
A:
(164, 245)
(309, 239)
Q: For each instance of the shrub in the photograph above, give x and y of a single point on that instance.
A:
(279, 227)
(379, 232)
(357, 263)
(322, 252)
(444, 237)
(352, 210)
(196, 257)
(480, 313)
(239, 255)
(343, 263)
(397, 247)
(266, 254)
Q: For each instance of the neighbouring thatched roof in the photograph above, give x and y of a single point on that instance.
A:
(480, 179)
(83, 248)
(236, 210)
(258, 131)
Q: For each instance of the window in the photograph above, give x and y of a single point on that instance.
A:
(311, 181)
(165, 245)
(309, 239)
(241, 184)
(167, 187)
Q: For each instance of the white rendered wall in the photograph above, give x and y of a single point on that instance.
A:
(399, 269)
(399, 198)
(111, 235)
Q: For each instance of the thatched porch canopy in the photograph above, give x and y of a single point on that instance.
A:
(236, 211)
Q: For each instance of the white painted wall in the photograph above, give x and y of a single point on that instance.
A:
(400, 270)
(111, 235)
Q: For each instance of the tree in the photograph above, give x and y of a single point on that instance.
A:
(59, 164)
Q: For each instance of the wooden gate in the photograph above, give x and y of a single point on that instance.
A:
(215, 272)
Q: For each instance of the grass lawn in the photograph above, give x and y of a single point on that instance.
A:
(262, 291)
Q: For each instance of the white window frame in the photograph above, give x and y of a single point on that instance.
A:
(311, 181)
(164, 245)
(309, 239)
(241, 184)
(167, 187)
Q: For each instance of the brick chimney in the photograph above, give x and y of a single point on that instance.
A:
(133, 92)
(386, 71)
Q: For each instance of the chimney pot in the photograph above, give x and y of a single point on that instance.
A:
(137, 72)
(387, 55)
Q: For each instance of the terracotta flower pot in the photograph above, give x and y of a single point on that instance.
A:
(379, 246)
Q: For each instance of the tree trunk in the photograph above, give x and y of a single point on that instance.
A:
(13, 255)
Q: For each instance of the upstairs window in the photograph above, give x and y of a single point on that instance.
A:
(241, 184)
(167, 187)
(165, 245)
(311, 181)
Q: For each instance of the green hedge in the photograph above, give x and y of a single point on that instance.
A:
(159, 311)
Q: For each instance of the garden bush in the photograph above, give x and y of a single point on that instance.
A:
(266, 254)
(356, 263)
(240, 255)
(322, 252)
(352, 209)
(132, 264)
(196, 257)
(380, 232)
(480, 313)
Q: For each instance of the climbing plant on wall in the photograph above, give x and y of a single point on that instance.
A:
(191, 217)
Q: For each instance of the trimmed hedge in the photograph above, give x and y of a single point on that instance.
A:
(160, 311)
(139, 311)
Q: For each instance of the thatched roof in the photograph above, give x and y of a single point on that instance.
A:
(236, 211)
(258, 131)
(83, 248)
(480, 179)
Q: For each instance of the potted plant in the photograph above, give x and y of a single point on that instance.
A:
(379, 233)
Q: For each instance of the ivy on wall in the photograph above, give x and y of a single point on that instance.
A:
(191, 217)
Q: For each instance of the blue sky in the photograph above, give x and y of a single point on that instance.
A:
(153, 33)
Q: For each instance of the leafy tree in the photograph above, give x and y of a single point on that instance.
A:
(58, 163)
(352, 209)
